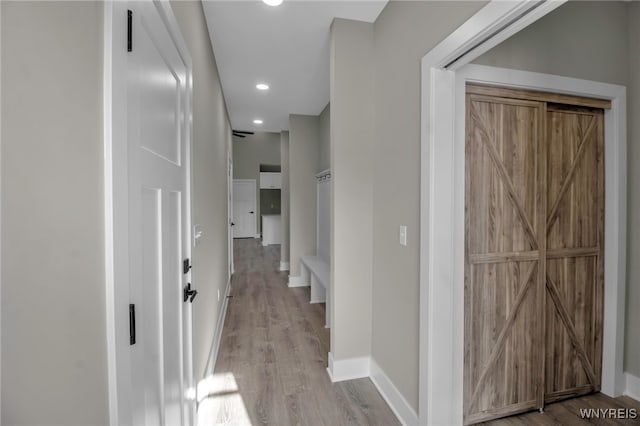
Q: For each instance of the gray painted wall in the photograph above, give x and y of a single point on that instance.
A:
(211, 142)
(632, 342)
(249, 153)
(416, 27)
(580, 39)
(284, 197)
(352, 116)
(315, 153)
(303, 160)
(324, 148)
(594, 41)
(54, 347)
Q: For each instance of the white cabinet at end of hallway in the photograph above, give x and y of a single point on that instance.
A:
(270, 229)
(270, 180)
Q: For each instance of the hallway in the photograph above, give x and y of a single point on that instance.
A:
(271, 368)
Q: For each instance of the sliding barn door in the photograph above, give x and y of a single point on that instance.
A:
(575, 222)
(503, 268)
(533, 253)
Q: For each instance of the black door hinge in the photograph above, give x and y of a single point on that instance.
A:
(186, 266)
(129, 31)
(132, 324)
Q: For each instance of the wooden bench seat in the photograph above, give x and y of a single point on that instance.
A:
(316, 272)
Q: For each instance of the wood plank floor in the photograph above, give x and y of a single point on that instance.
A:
(271, 367)
(567, 413)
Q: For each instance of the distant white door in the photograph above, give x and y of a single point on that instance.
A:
(244, 208)
(158, 134)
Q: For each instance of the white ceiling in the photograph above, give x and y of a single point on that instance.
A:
(286, 47)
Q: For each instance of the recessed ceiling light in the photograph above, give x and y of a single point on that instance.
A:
(262, 86)
(257, 121)
(273, 2)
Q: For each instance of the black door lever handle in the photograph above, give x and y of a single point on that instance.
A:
(188, 292)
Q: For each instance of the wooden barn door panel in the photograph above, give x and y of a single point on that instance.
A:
(503, 224)
(533, 253)
(575, 178)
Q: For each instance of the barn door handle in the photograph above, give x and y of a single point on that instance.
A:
(188, 292)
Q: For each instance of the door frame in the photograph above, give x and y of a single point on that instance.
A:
(116, 205)
(255, 205)
(444, 75)
(230, 212)
(0, 219)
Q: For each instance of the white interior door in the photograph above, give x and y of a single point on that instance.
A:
(158, 140)
(244, 208)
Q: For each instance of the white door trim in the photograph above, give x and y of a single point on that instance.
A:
(116, 206)
(0, 220)
(230, 211)
(442, 201)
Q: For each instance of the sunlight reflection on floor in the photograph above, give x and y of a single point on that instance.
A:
(220, 402)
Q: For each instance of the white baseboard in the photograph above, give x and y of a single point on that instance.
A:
(257, 236)
(296, 281)
(400, 407)
(284, 266)
(632, 387)
(264, 243)
(348, 369)
(217, 336)
(357, 368)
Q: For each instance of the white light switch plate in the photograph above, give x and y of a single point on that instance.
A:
(403, 235)
(197, 234)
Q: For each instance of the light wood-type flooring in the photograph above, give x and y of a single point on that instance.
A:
(271, 367)
(272, 363)
(567, 413)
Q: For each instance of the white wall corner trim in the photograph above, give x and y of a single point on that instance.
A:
(348, 369)
(632, 388)
(297, 281)
(398, 404)
(217, 336)
(284, 266)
